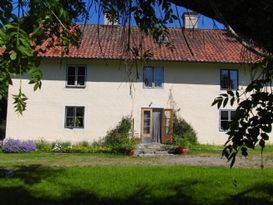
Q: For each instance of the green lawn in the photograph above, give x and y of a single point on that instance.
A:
(203, 149)
(40, 178)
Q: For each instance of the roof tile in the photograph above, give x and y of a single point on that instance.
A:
(199, 45)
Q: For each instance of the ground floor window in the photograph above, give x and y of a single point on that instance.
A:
(226, 116)
(74, 117)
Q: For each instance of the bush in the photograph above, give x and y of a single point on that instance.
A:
(183, 132)
(44, 146)
(62, 147)
(15, 146)
(120, 139)
(67, 147)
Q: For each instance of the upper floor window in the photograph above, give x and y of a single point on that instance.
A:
(229, 79)
(226, 116)
(76, 75)
(74, 117)
(153, 77)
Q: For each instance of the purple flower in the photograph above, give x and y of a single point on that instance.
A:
(13, 146)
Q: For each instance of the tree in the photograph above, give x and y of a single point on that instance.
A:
(51, 23)
(24, 34)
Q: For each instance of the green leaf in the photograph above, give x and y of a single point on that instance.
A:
(230, 93)
(25, 51)
(20, 102)
(262, 143)
(13, 56)
(265, 136)
(225, 102)
(232, 100)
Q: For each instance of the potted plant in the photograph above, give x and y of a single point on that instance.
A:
(127, 146)
(182, 146)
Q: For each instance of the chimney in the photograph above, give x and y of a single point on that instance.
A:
(190, 20)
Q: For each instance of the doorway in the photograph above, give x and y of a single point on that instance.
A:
(156, 125)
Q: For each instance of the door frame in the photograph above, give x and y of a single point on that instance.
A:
(165, 138)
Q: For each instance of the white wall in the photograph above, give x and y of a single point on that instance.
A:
(107, 98)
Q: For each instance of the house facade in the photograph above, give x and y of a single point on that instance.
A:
(87, 92)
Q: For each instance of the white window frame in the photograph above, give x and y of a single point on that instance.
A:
(76, 66)
(74, 117)
(153, 82)
(229, 118)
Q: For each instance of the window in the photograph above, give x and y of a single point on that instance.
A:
(147, 122)
(74, 117)
(76, 75)
(229, 79)
(226, 116)
(153, 77)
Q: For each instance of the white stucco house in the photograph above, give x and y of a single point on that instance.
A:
(87, 92)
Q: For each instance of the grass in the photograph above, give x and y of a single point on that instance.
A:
(47, 178)
(203, 149)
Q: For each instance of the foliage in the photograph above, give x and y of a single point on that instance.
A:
(254, 114)
(38, 26)
(67, 147)
(119, 139)
(181, 142)
(43, 146)
(13, 146)
(184, 134)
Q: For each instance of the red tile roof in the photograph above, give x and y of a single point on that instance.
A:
(201, 45)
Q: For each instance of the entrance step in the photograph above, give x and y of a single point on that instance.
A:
(154, 149)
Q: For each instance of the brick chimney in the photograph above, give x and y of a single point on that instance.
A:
(190, 20)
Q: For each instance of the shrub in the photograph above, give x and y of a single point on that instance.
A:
(62, 147)
(13, 146)
(120, 139)
(183, 132)
(67, 147)
(44, 146)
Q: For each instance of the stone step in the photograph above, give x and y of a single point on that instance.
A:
(153, 149)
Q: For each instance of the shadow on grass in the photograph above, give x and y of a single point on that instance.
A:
(249, 196)
(29, 175)
(181, 192)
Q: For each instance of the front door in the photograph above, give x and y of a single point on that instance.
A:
(167, 126)
(156, 125)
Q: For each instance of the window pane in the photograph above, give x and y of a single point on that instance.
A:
(79, 111)
(158, 77)
(69, 122)
(71, 80)
(81, 80)
(224, 115)
(167, 126)
(224, 125)
(146, 130)
(71, 71)
(81, 70)
(148, 76)
(225, 81)
(233, 79)
(232, 115)
(70, 111)
(146, 122)
(79, 122)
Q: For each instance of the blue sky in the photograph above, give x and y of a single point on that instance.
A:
(95, 17)
(204, 22)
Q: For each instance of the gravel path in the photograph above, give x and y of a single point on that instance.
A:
(250, 162)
